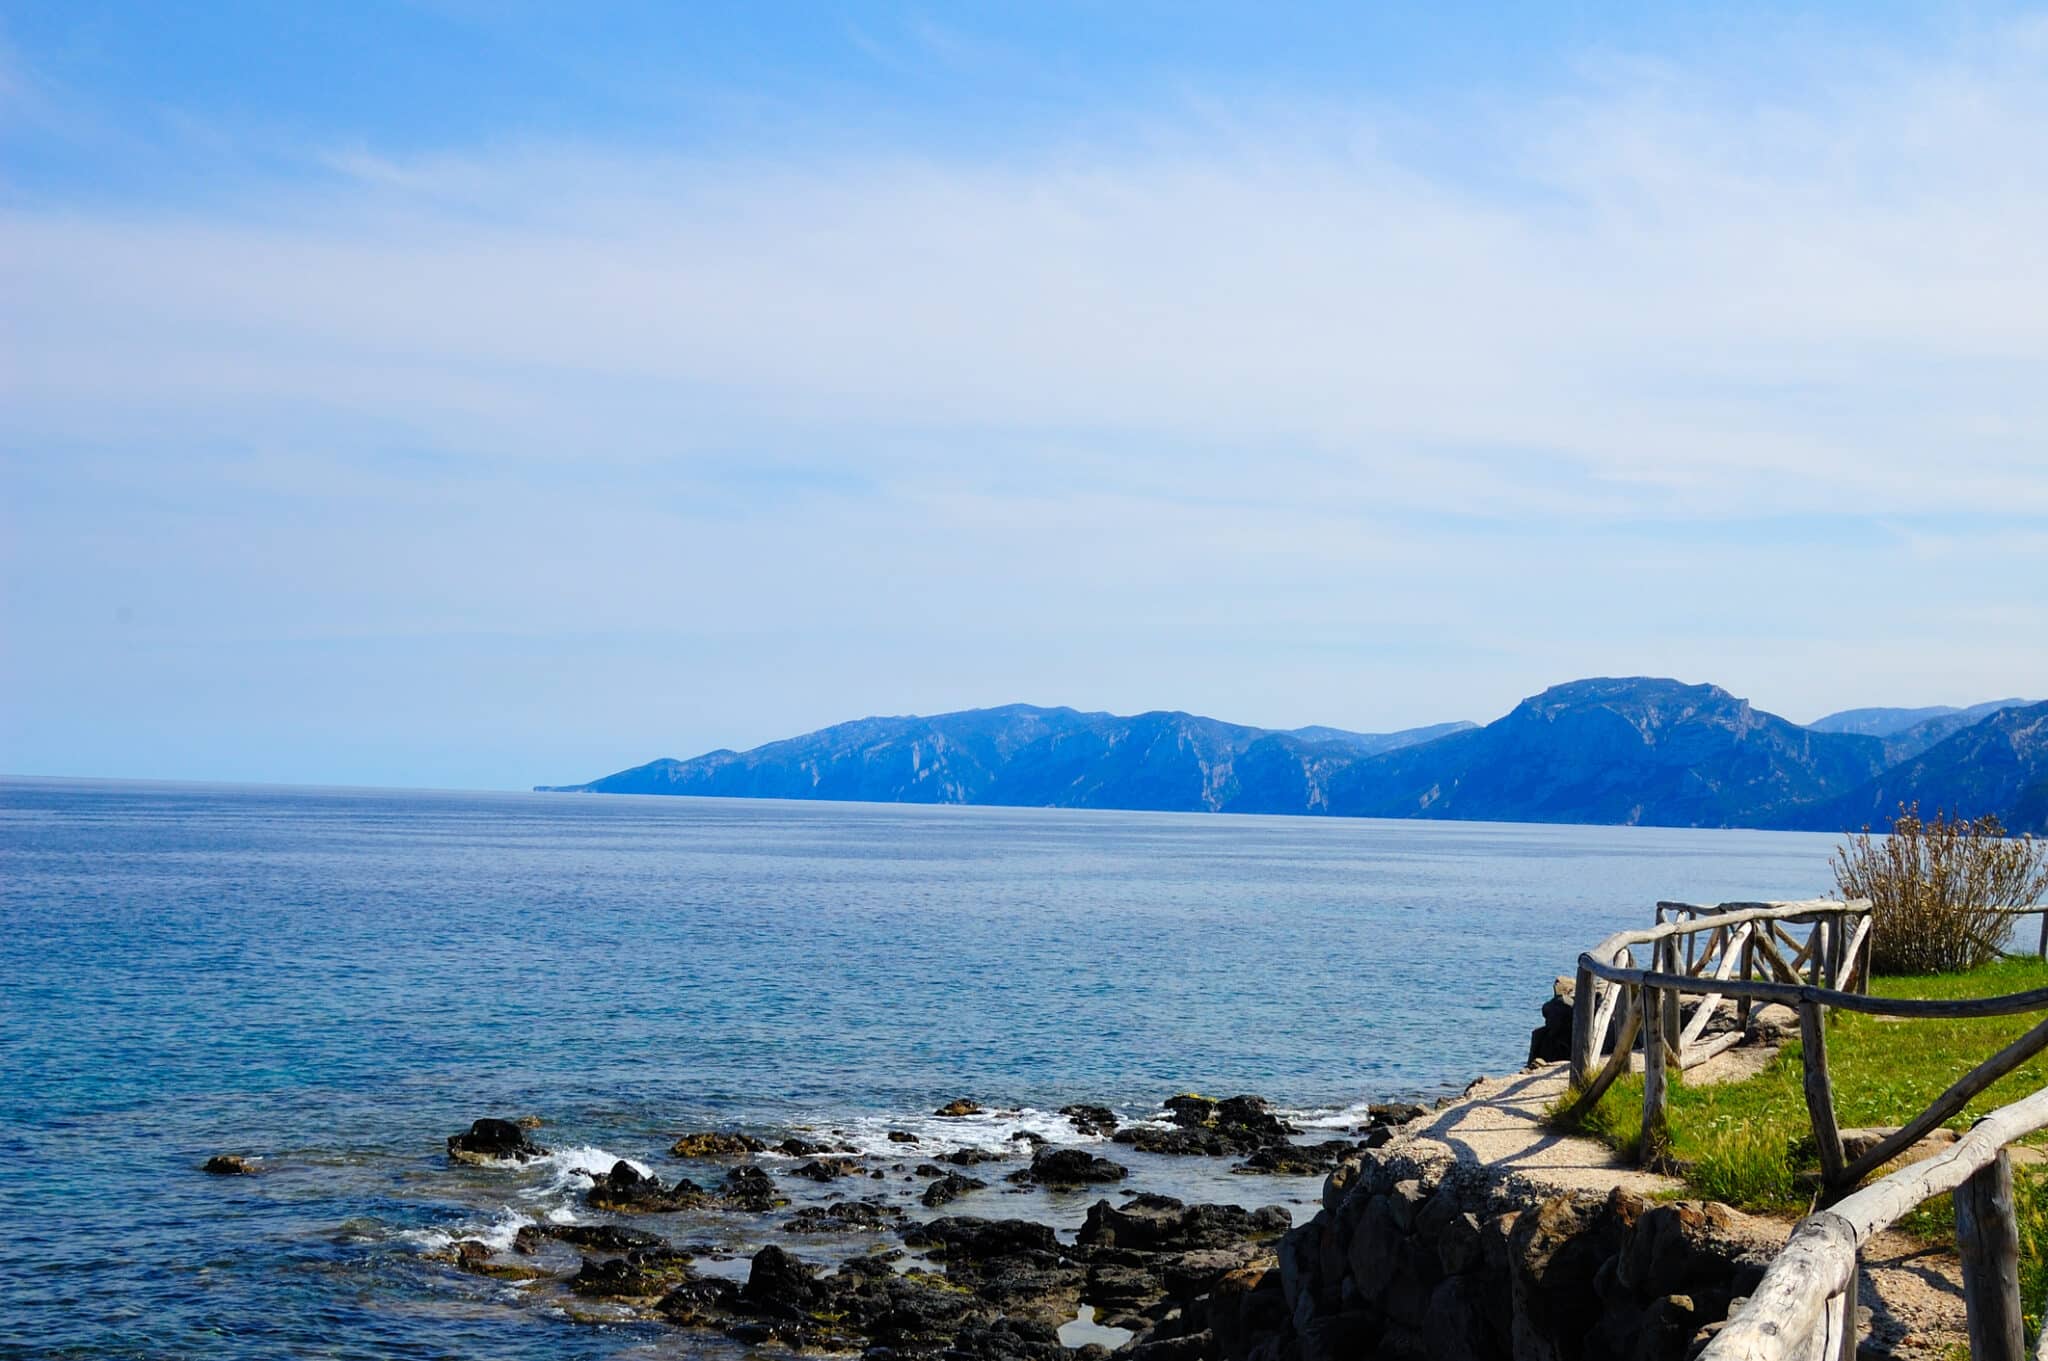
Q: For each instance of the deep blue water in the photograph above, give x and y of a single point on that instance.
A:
(335, 980)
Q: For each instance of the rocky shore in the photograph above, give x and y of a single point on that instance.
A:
(1408, 1251)
(863, 1262)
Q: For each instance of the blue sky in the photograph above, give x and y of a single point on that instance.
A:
(491, 394)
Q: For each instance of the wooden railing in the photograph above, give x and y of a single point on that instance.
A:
(1752, 941)
(1806, 1305)
(1709, 953)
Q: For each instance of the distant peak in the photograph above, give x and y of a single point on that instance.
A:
(1607, 689)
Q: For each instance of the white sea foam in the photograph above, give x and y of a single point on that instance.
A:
(995, 1130)
(1347, 1118)
(497, 1233)
(570, 1168)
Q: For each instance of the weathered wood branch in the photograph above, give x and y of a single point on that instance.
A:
(1705, 1012)
(1699, 1054)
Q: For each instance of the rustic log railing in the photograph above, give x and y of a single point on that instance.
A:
(1806, 1306)
(1744, 951)
(1694, 950)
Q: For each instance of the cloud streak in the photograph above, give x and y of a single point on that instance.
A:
(1207, 393)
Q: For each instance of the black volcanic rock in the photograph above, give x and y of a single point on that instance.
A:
(489, 1141)
(1070, 1167)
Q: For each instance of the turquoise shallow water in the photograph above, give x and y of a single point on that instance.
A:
(335, 980)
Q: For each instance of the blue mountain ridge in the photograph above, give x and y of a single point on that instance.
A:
(1610, 750)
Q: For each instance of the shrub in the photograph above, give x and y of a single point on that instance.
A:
(1936, 887)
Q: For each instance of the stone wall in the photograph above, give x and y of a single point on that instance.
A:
(1419, 1258)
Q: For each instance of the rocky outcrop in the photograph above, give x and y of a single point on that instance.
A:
(1203, 1126)
(958, 1109)
(229, 1165)
(1070, 1167)
(1097, 1120)
(489, 1141)
(948, 1187)
(623, 1190)
(1426, 1258)
(828, 1169)
(644, 1274)
(715, 1144)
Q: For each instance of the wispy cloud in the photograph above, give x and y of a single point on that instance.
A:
(1228, 388)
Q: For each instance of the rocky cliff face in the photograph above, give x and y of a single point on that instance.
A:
(1420, 1259)
(1999, 765)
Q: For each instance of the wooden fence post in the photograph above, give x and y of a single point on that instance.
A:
(1585, 1044)
(1742, 1005)
(1656, 1144)
(1820, 1093)
(1849, 1327)
(1988, 1241)
(1673, 1001)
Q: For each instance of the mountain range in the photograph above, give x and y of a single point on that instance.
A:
(1630, 751)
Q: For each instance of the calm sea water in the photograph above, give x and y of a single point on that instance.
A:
(335, 980)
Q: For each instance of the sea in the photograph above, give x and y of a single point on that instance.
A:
(330, 982)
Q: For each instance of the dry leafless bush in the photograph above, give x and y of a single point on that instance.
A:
(1936, 886)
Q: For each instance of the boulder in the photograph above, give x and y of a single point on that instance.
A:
(972, 1157)
(625, 1191)
(594, 1237)
(1091, 1119)
(474, 1256)
(751, 1188)
(229, 1165)
(843, 1216)
(1071, 1167)
(964, 1237)
(1552, 1041)
(1178, 1142)
(1155, 1223)
(778, 1285)
(827, 1169)
(1297, 1160)
(957, 1109)
(1116, 1287)
(489, 1141)
(698, 1302)
(642, 1274)
(715, 1145)
(949, 1186)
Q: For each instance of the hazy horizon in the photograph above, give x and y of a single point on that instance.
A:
(447, 396)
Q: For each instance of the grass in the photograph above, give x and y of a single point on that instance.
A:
(1750, 1145)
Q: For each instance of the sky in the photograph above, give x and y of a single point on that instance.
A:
(489, 394)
